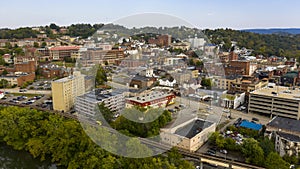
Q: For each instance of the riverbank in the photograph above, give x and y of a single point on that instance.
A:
(14, 159)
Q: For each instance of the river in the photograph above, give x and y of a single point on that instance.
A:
(13, 159)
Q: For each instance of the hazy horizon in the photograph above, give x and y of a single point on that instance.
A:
(203, 14)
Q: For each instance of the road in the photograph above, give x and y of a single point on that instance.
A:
(215, 112)
(17, 90)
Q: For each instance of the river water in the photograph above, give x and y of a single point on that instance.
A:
(13, 159)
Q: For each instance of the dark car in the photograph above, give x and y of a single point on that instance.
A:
(210, 152)
(255, 119)
(238, 121)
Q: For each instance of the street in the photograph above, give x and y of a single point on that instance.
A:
(17, 90)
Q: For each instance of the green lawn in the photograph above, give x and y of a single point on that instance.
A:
(60, 63)
(25, 94)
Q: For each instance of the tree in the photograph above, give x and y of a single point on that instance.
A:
(199, 63)
(3, 83)
(291, 159)
(104, 112)
(5, 72)
(206, 82)
(101, 76)
(54, 26)
(267, 145)
(2, 62)
(36, 44)
(191, 62)
(273, 160)
(253, 152)
(44, 44)
(65, 143)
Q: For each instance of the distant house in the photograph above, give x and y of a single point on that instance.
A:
(141, 81)
(7, 58)
(167, 82)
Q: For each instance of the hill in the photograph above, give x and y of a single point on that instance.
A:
(281, 31)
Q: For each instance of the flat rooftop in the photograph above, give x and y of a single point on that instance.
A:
(250, 125)
(285, 123)
(96, 97)
(290, 137)
(193, 128)
(65, 79)
(280, 92)
(149, 97)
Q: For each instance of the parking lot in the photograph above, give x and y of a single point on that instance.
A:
(40, 85)
(40, 100)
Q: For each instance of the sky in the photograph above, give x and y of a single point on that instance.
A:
(211, 14)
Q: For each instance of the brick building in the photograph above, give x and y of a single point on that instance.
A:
(19, 79)
(162, 40)
(98, 56)
(26, 67)
(61, 52)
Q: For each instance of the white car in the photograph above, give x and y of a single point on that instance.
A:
(226, 110)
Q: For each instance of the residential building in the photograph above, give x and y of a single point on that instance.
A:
(86, 103)
(275, 101)
(142, 82)
(161, 40)
(50, 71)
(233, 56)
(152, 99)
(248, 84)
(181, 45)
(7, 58)
(96, 56)
(225, 83)
(189, 135)
(61, 52)
(211, 49)
(197, 42)
(182, 77)
(290, 78)
(65, 90)
(18, 79)
(286, 132)
(26, 67)
(167, 82)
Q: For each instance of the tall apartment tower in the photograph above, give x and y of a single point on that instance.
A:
(65, 91)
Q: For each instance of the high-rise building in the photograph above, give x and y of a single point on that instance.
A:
(65, 90)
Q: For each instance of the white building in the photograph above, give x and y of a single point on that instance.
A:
(166, 82)
(189, 135)
(86, 103)
(197, 42)
(233, 101)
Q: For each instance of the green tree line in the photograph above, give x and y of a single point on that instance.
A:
(259, 152)
(64, 142)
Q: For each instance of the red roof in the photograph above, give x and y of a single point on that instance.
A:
(65, 48)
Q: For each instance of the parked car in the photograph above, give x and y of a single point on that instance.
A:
(223, 151)
(255, 119)
(22, 90)
(210, 152)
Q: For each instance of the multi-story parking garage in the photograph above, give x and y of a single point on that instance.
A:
(275, 101)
